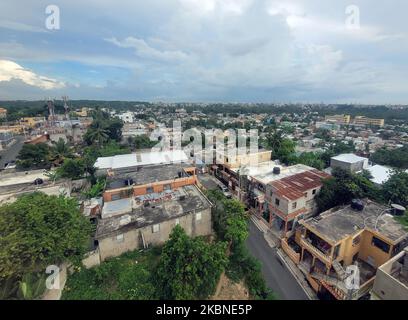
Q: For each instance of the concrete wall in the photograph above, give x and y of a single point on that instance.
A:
(353, 167)
(387, 287)
(55, 294)
(112, 246)
(92, 259)
(142, 189)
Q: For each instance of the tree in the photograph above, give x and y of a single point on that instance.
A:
(33, 156)
(60, 151)
(96, 134)
(342, 187)
(38, 230)
(396, 188)
(72, 169)
(189, 268)
(397, 158)
(230, 219)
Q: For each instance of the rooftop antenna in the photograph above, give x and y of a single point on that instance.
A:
(66, 107)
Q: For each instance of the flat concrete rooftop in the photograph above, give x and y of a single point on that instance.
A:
(146, 175)
(338, 224)
(127, 214)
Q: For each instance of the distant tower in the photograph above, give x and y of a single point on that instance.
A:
(66, 107)
(51, 111)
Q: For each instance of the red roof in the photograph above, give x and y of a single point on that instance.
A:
(295, 186)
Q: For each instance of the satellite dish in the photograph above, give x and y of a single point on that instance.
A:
(397, 206)
(398, 210)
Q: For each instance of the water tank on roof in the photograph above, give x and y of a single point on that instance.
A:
(357, 204)
(276, 170)
(38, 181)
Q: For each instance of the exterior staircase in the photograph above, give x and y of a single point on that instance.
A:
(339, 270)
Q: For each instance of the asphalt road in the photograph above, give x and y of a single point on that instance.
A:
(10, 154)
(276, 275)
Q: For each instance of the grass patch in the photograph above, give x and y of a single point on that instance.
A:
(127, 277)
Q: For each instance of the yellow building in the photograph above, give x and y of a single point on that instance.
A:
(3, 113)
(83, 113)
(363, 235)
(32, 122)
(339, 118)
(364, 121)
(16, 129)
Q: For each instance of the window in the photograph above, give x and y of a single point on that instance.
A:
(294, 205)
(305, 194)
(149, 190)
(167, 187)
(380, 244)
(198, 216)
(156, 228)
(356, 240)
(314, 191)
(120, 238)
(277, 202)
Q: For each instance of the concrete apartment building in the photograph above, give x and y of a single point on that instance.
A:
(227, 167)
(349, 162)
(391, 280)
(146, 220)
(290, 198)
(364, 121)
(338, 118)
(361, 234)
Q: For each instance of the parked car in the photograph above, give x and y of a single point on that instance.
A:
(225, 191)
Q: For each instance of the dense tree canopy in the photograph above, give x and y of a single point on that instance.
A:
(34, 156)
(38, 230)
(342, 187)
(189, 268)
(397, 158)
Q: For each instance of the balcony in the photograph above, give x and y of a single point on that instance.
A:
(315, 251)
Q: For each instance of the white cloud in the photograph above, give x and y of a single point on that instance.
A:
(10, 70)
(18, 26)
(143, 50)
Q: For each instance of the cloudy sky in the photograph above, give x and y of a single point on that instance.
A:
(206, 50)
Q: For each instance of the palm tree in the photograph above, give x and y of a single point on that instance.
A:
(60, 151)
(97, 134)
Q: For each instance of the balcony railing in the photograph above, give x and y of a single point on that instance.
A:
(315, 251)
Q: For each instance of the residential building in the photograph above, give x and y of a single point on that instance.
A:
(391, 280)
(3, 113)
(6, 139)
(290, 198)
(15, 184)
(349, 162)
(142, 221)
(132, 161)
(362, 234)
(148, 180)
(127, 117)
